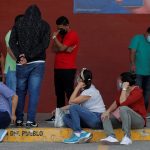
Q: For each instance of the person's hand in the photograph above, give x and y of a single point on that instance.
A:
(13, 119)
(133, 68)
(80, 85)
(54, 35)
(70, 49)
(105, 115)
(125, 85)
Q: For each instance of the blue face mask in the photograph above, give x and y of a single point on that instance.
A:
(148, 38)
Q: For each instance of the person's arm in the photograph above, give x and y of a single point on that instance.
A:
(11, 53)
(13, 43)
(58, 46)
(132, 60)
(134, 96)
(14, 106)
(2, 67)
(75, 99)
(65, 107)
(123, 95)
(106, 114)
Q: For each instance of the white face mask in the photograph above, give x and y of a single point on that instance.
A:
(120, 85)
(148, 38)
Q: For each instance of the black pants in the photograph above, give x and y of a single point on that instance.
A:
(64, 84)
(4, 120)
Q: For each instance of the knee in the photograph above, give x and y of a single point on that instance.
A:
(74, 107)
(124, 109)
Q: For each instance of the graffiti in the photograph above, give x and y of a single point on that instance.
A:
(26, 133)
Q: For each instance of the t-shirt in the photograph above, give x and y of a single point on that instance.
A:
(66, 60)
(142, 48)
(95, 103)
(10, 63)
(134, 101)
(5, 95)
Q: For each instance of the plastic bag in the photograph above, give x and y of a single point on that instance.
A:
(59, 114)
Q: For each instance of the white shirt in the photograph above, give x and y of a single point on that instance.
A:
(95, 103)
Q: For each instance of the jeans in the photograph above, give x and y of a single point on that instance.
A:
(144, 83)
(4, 120)
(82, 117)
(29, 79)
(64, 84)
(11, 79)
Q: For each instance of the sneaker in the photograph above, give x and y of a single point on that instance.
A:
(51, 119)
(19, 123)
(3, 132)
(85, 136)
(109, 140)
(74, 139)
(148, 117)
(126, 141)
(31, 124)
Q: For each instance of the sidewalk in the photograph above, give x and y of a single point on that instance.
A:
(47, 133)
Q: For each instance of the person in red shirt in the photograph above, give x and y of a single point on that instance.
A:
(65, 46)
(127, 111)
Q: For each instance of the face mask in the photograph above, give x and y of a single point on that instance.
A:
(119, 85)
(62, 31)
(148, 38)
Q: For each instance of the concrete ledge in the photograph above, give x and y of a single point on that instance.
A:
(59, 134)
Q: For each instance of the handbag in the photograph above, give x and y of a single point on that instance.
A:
(59, 114)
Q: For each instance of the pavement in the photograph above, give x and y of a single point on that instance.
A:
(47, 133)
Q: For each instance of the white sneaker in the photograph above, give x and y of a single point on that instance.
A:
(126, 141)
(109, 140)
(3, 132)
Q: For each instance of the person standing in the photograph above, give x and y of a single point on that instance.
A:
(7, 108)
(140, 62)
(10, 62)
(29, 40)
(65, 46)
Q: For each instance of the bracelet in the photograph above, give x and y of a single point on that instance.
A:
(53, 37)
(124, 89)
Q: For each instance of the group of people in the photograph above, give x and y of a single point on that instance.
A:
(27, 42)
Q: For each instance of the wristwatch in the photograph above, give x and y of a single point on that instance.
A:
(53, 37)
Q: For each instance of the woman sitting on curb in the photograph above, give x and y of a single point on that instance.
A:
(85, 109)
(129, 111)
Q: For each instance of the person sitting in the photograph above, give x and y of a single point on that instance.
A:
(129, 111)
(85, 109)
(7, 108)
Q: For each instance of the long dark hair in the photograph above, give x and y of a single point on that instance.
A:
(86, 76)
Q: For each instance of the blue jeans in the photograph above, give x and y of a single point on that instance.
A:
(11, 79)
(5, 120)
(144, 83)
(82, 117)
(29, 79)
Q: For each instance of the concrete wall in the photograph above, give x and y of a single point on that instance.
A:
(104, 41)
